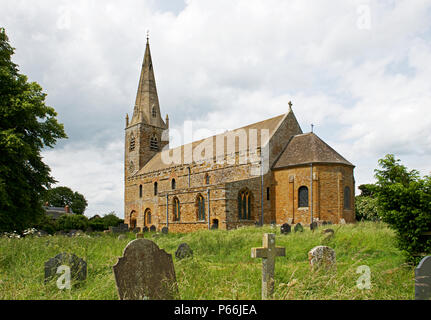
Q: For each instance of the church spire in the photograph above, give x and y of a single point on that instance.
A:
(147, 108)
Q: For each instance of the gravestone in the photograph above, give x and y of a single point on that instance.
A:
(183, 251)
(290, 221)
(145, 272)
(342, 221)
(136, 230)
(121, 237)
(322, 257)
(78, 267)
(299, 228)
(145, 229)
(268, 253)
(285, 229)
(140, 235)
(423, 279)
(153, 228)
(165, 230)
(313, 226)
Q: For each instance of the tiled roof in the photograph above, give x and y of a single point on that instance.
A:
(156, 163)
(308, 148)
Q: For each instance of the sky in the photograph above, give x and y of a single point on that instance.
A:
(360, 71)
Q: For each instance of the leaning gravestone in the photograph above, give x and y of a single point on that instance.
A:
(78, 267)
(153, 228)
(285, 229)
(423, 279)
(165, 230)
(145, 272)
(299, 228)
(183, 251)
(322, 256)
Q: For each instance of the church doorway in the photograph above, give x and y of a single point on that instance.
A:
(132, 220)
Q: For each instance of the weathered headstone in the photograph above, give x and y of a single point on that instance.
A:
(145, 229)
(285, 229)
(122, 237)
(183, 251)
(342, 221)
(322, 256)
(165, 230)
(153, 228)
(268, 253)
(136, 230)
(140, 235)
(78, 267)
(290, 221)
(145, 272)
(423, 279)
(313, 226)
(299, 228)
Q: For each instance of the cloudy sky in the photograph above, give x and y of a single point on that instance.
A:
(360, 71)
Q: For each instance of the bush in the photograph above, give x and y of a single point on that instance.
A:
(111, 220)
(404, 201)
(366, 208)
(72, 222)
(47, 224)
(97, 224)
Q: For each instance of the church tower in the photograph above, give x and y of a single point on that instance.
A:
(146, 133)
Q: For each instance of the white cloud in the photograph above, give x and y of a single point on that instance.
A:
(225, 64)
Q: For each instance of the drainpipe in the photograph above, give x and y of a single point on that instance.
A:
(167, 211)
(261, 187)
(311, 195)
(209, 220)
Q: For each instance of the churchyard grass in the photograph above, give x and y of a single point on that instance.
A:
(221, 266)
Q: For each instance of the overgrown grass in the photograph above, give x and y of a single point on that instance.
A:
(221, 267)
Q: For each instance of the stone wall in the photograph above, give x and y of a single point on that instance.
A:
(329, 182)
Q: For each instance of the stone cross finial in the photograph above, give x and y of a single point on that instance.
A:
(268, 253)
(148, 35)
(290, 105)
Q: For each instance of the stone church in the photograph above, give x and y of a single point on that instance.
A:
(305, 179)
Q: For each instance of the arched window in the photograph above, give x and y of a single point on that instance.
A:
(132, 143)
(173, 184)
(347, 197)
(303, 197)
(200, 207)
(176, 214)
(244, 205)
(154, 143)
(156, 187)
(140, 191)
(154, 112)
(207, 179)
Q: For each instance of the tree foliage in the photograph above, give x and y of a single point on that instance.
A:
(404, 201)
(27, 125)
(62, 196)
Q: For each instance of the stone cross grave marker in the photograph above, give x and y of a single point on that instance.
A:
(423, 279)
(268, 253)
(145, 272)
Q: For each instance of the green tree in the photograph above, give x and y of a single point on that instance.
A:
(62, 196)
(27, 125)
(111, 220)
(404, 201)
